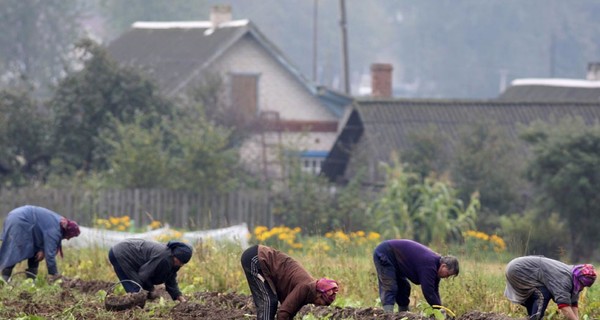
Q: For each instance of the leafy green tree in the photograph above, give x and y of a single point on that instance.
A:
(36, 37)
(204, 158)
(534, 233)
(24, 139)
(564, 171)
(304, 200)
(485, 162)
(184, 153)
(138, 157)
(87, 100)
(351, 203)
(425, 210)
(427, 153)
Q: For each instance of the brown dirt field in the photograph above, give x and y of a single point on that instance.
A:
(202, 305)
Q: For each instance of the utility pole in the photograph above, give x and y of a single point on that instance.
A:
(315, 38)
(344, 47)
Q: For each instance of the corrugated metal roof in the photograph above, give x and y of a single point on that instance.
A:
(387, 124)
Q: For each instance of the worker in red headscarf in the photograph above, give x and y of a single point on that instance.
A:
(275, 277)
(33, 233)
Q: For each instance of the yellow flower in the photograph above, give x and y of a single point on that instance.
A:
(373, 236)
(113, 220)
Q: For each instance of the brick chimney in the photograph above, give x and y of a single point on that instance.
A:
(593, 72)
(219, 14)
(381, 80)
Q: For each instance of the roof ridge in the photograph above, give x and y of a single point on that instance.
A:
(187, 24)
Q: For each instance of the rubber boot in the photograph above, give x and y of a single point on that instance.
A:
(31, 273)
(388, 308)
(6, 272)
(402, 308)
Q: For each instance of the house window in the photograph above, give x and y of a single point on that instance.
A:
(312, 161)
(244, 93)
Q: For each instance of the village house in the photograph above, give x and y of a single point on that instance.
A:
(285, 114)
(380, 125)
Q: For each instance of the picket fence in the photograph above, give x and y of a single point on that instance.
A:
(193, 211)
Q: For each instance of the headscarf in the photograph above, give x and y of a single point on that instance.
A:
(584, 275)
(324, 285)
(180, 250)
(71, 229)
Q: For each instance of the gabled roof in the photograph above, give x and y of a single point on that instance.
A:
(387, 124)
(552, 90)
(177, 52)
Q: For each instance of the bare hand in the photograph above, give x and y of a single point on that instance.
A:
(182, 299)
(39, 256)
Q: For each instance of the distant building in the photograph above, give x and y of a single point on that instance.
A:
(381, 125)
(554, 89)
(259, 81)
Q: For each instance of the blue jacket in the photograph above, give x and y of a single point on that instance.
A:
(26, 231)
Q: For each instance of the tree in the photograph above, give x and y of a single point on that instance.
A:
(427, 153)
(185, 152)
(138, 157)
(36, 37)
(564, 171)
(87, 101)
(425, 210)
(485, 162)
(24, 139)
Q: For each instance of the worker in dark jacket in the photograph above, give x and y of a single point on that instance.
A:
(149, 263)
(275, 277)
(398, 261)
(532, 281)
(33, 233)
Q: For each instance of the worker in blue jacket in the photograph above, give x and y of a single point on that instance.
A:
(398, 261)
(33, 233)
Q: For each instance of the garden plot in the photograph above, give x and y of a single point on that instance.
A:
(82, 300)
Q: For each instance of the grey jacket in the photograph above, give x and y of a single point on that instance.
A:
(524, 274)
(148, 263)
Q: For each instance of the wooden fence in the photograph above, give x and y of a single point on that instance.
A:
(205, 210)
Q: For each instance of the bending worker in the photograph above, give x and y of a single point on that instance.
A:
(34, 233)
(275, 277)
(398, 261)
(149, 263)
(532, 281)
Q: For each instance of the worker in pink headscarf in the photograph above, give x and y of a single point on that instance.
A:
(532, 281)
(275, 277)
(34, 233)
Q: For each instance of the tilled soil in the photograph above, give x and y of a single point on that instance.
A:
(377, 313)
(202, 305)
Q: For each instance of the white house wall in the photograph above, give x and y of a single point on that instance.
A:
(278, 89)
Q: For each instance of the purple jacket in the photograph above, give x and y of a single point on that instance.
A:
(417, 263)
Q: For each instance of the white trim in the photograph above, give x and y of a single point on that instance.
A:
(186, 24)
(574, 83)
